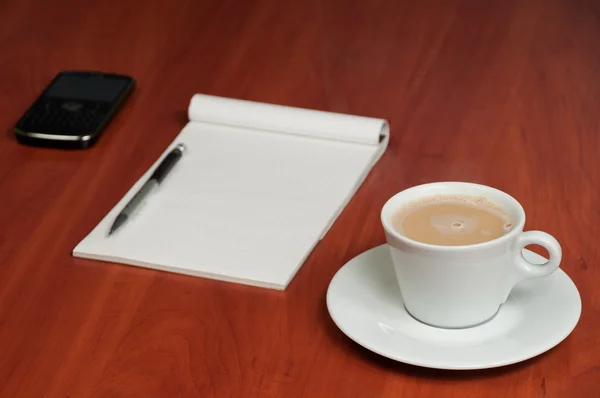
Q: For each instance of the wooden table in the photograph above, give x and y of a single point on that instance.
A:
(505, 93)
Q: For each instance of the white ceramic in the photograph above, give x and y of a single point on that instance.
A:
(364, 301)
(463, 286)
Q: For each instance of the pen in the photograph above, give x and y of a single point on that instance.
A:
(156, 178)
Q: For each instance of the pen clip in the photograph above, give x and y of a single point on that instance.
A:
(167, 163)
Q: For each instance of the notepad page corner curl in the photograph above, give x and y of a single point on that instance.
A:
(286, 119)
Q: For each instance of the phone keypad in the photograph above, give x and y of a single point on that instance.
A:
(63, 117)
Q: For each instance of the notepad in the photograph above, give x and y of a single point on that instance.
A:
(257, 188)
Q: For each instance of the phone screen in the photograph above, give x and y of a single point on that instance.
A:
(93, 87)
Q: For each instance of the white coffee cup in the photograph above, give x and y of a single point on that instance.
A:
(463, 286)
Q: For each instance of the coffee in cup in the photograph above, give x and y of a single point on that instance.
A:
(452, 220)
(456, 249)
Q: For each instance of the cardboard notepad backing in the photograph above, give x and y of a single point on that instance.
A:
(258, 186)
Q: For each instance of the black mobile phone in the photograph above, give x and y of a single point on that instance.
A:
(74, 109)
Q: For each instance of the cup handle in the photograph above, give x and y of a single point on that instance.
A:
(528, 270)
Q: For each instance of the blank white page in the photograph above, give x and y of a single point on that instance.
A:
(241, 205)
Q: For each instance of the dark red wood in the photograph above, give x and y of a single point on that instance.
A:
(505, 93)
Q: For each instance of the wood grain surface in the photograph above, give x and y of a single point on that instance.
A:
(504, 93)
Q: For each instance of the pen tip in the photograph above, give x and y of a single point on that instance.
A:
(120, 220)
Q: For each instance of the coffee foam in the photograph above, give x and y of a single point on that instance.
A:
(476, 201)
(479, 201)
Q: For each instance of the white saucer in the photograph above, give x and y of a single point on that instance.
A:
(364, 302)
